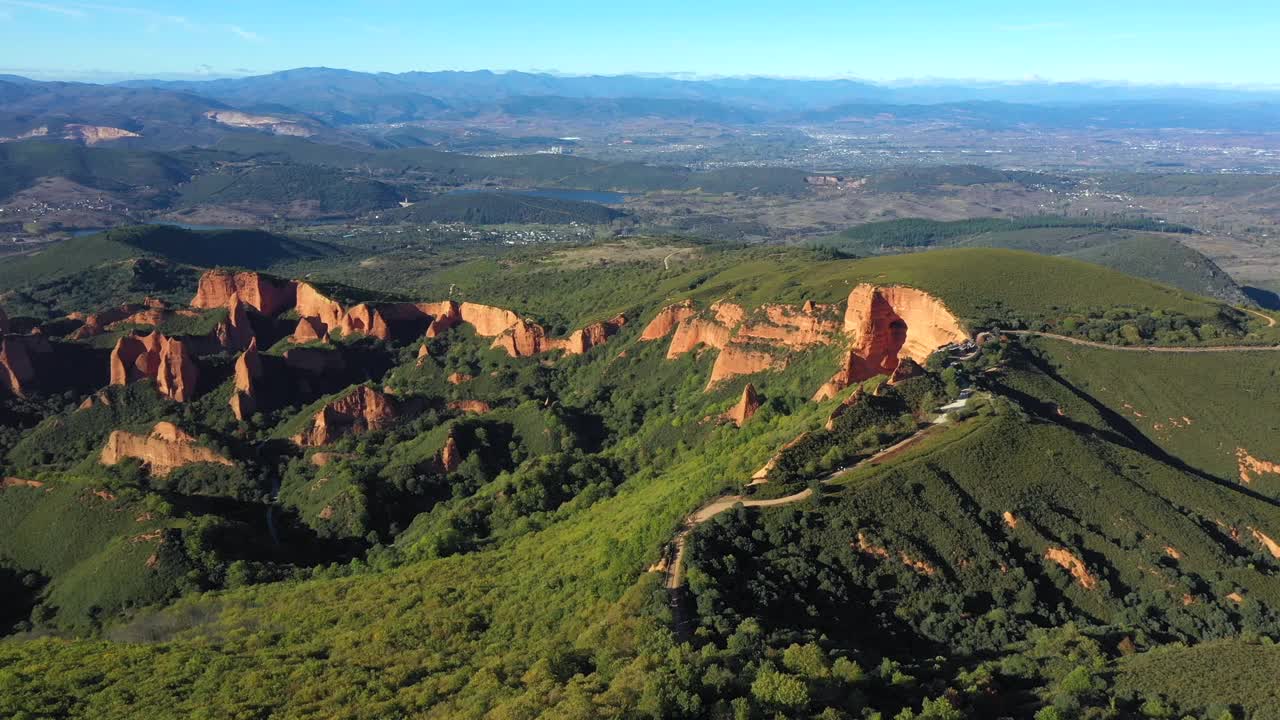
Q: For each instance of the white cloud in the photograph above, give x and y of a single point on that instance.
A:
(244, 34)
(44, 7)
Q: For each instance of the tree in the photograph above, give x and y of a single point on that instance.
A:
(779, 689)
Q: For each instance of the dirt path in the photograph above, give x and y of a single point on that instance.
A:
(1144, 348)
(675, 553)
(1271, 322)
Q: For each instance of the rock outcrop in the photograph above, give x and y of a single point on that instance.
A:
(364, 319)
(450, 455)
(736, 359)
(667, 320)
(1073, 564)
(264, 294)
(526, 339)
(96, 324)
(361, 410)
(235, 332)
(745, 408)
(478, 407)
(1265, 541)
(487, 320)
(712, 331)
(17, 373)
(309, 330)
(1250, 466)
(854, 398)
(164, 450)
(326, 313)
(167, 361)
(885, 325)
(244, 398)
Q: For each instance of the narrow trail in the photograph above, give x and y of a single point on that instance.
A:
(1144, 348)
(1271, 322)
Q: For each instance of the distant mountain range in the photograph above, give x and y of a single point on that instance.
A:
(323, 101)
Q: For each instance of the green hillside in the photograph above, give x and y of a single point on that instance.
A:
(1127, 245)
(490, 547)
(94, 272)
(21, 163)
(319, 191)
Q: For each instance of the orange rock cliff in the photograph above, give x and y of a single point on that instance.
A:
(358, 411)
(244, 399)
(166, 360)
(745, 408)
(266, 295)
(885, 324)
(163, 451)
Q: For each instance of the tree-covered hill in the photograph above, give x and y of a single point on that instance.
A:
(419, 523)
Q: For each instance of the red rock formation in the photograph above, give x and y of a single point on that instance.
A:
(12, 482)
(423, 354)
(235, 332)
(459, 378)
(478, 407)
(244, 400)
(266, 295)
(1271, 545)
(667, 320)
(450, 455)
(166, 360)
(97, 323)
(1010, 520)
(1074, 565)
(737, 359)
(713, 331)
(364, 319)
(745, 408)
(487, 320)
(311, 303)
(361, 410)
(310, 329)
(885, 324)
(17, 374)
(783, 325)
(1249, 466)
(164, 450)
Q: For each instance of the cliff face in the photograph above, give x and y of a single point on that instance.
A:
(488, 321)
(736, 359)
(667, 320)
(311, 303)
(166, 360)
(235, 332)
(745, 408)
(17, 373)
(714, 331)
(450, 455)
(164, 450)
(267, 296)
(365, 320)
(361, 410)
(887, 324)
(244, 400)
(310, 329)
(96, 323)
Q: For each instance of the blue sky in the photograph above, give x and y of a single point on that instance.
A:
(1169, 42)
